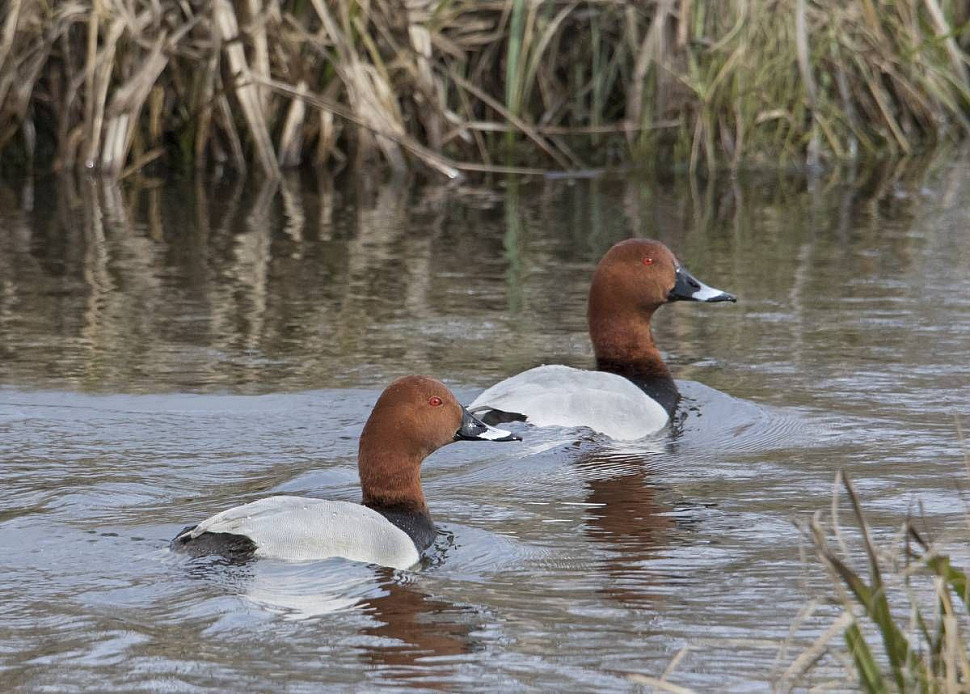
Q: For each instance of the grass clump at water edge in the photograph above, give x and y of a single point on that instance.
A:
(902, 628)
(462, 85)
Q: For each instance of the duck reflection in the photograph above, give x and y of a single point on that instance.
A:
(418, 627)
(625, 516)
(407, 624)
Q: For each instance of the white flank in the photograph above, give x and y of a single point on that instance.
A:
(563, 396)
(297, 528)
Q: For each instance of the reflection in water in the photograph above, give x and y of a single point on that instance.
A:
(512, 243)
(419, 627)
(307, 283)
(407, 624)
(624, 515)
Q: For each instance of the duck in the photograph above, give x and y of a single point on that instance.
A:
(631, 393)
(391, 526)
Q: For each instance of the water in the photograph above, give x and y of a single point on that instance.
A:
(169, 350)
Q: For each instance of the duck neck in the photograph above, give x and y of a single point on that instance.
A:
(391, 485)
(624, 345)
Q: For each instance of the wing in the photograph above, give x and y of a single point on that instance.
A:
(563, 396)
(295, 528)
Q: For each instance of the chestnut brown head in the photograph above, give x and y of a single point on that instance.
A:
(412, 418)
(644, 274)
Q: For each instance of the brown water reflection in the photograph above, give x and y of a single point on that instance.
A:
(568, 561)
(420, 627)
(625, 515)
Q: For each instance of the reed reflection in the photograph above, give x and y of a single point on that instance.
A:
(224, 284)
(313, 282)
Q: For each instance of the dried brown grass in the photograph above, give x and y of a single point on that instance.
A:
(471, 85)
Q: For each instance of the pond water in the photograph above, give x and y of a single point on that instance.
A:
(171, 349)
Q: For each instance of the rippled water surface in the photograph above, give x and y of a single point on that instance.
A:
(170, 350)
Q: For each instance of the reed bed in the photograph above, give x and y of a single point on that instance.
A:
(905, 628)
(466, 85)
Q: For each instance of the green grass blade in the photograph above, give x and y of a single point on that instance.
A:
(874, 599)
(513, 89)
(869, 676)
(877, 608)
(956, 579)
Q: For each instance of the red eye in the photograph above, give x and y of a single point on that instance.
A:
(435, 401)
(648, 261)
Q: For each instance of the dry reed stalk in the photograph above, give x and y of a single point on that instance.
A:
(16, 82)
(328, 130)
(931, 653)
(224, 112)
(291, 139)
(126, 104)
(99, 66)
(225, 19)
(371, 98)
(808, 79)
(10, 24)
(810, 656)
(517, 122)
(434, 160)
(92, 131)
(203, 129)
(141, 162)
(649, 53)
(420, 39)
(155, 104)
(943, 31)
(326, 138)
(256, 29)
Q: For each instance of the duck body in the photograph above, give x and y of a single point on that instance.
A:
(392, 526)
(294, 528)
(556, 395)
(631, 393)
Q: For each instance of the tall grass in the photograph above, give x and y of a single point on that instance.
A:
(458, 85)
(905, 627)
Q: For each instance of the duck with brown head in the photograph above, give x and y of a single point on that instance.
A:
(392, 526)
(631, 394)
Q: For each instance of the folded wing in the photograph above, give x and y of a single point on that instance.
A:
(298, 528)
(557, 395)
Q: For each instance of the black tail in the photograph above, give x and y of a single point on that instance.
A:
(228, 545)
